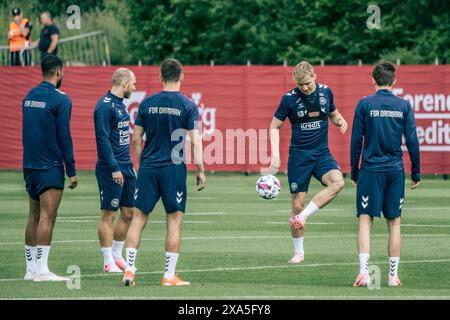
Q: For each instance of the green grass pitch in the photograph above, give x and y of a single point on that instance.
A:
(235, 246)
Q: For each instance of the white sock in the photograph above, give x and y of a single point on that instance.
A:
(171, 263)
(393, 266)
(131, 254)
(298, 245)
(117, 249)
(310, 209)
(107, 255)
(364, 263)
(30, 257)
(42, 259)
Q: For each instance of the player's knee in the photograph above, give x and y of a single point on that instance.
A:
(108, 216)
(297, 208)
(127, 215)
(338, 185)
(33, 217)
(47, 219)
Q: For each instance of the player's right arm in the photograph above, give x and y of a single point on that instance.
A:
(356, 141)
(275, 161)
(274, 132)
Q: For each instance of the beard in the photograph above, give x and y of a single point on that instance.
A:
(127, 94)
(58, 83)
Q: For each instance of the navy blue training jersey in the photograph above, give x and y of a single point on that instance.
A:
(380, 120)
(112, 132)
(308, 115)
(160, 115)
(46, 137)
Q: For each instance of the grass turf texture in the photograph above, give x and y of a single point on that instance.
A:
(235, 245)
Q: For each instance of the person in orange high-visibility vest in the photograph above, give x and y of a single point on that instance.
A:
(19, 38)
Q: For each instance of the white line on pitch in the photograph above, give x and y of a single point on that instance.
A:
(427, 225)
(287, 222)
(337, 297)
(75, 221)
(78, 217)
(284, 266)
(92, 221)
(426, 208)
(201, 198)
(203, 213)
(326, 209)
(403, 225)
(248, 238)
(188, 222)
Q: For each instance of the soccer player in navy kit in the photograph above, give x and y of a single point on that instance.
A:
(380, 121)
(164, 118)
(47, 147)
(114, 170)
(308, 107)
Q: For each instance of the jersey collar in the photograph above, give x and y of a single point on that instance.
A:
(48, 84)
(384, 91)
(114, 97)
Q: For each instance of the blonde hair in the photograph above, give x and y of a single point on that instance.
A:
(302, 70)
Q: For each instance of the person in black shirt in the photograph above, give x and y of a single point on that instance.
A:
(48, 40)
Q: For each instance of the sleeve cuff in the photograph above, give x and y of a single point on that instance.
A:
(71, 172)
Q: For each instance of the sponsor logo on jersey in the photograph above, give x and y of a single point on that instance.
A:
(314, 125)
(35, 104)
(123, 124)
(301, 113)
(124, 137)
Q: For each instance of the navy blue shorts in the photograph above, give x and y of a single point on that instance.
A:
(39, 181)
(168, 183)
(380, 192)
(300, 171)
(113, 195)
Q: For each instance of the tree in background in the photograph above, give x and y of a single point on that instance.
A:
(262, 31)
(269, 32)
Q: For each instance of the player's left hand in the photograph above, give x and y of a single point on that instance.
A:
(415, 184)
(354, 183)
(73, 182)
(343, 125)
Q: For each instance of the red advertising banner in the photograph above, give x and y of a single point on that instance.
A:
(236, 105)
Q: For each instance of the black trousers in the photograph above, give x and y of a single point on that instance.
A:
(17, 59)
